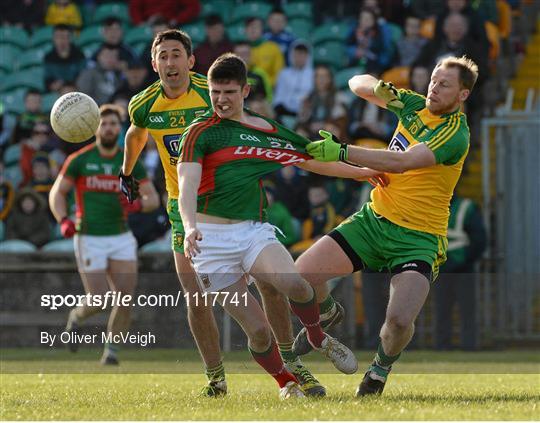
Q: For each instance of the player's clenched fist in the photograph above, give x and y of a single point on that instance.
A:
(129, 186)
(388, 93)
(329, 149)
(67, 227)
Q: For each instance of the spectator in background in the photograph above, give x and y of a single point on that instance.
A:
(32, 115)
(411, 44)
(277, 23)
(175, 12)
(466, 244)
(475, 29)
(113, 36)
(419, 78)
(258, 79)
(366, 120)
(324, 104)
(294, 82)
(426, 9)
(101, 81)
(134, 82)
(322, 217)
(29, 219)
(39, 141)
(27, 14)
(264, 54)
(215, 44)
(280, 217)
(291, 189)
(261, 106)
(64, 62)
(7, 194)
(63, 12)
(369, 46)
(42, 177)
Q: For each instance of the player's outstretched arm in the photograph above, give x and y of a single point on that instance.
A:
(378, 92)
(189, 180)
(343, 170)
(135, 141)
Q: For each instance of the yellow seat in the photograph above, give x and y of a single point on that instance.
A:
(494, 40)
(427, 28)
(399, 76)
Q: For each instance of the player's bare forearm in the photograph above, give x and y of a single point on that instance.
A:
(189, 179)
(337, 169)
(362, 86)
(135, 141)
(57, 197)
(149, 197)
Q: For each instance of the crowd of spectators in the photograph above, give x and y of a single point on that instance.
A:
(294, 74)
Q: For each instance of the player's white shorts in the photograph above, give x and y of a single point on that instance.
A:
(93, 251)
(229, 251)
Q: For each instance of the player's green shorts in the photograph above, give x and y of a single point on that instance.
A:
(372, 241)
(177, 227)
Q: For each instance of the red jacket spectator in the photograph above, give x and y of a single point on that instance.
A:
(175, 11)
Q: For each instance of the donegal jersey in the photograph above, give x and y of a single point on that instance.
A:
(166, 119)
(234, 157)
(97, 190)
(419, 199)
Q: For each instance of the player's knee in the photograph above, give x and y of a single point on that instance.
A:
(398, 322)
(259, 336)
(300, 291)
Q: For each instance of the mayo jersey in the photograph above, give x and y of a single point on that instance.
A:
(97, 190)
(234, 157)
(166, 119)
(420, 199)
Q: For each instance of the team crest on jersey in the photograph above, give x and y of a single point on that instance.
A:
(398, 143)
(179, 240)
(199, 113)
(172, 144)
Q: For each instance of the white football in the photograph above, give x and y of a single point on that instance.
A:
(75, 117)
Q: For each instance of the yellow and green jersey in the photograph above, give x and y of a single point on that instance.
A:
(420, 198)
(166, 119)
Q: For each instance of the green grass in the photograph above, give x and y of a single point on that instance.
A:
(53, 385)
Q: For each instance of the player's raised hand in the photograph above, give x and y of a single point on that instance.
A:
(129, 186)
(388, 93)
(67, 227)
(374, 177)
(329, 149)
(191, 248)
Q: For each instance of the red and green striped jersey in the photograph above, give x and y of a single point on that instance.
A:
(97, 190)
(234, 158)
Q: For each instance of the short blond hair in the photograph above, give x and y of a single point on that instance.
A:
(468, 70)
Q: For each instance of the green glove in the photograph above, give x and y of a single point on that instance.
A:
(329, 149)
(388, 93)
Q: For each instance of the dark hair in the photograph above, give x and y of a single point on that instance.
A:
(172, 34)
(253, 19)
(278, 10)
(301, 47)
(62, 27)
(228, 67)
(213, 19)
(110, 109)
(32, 91)
(111, 20)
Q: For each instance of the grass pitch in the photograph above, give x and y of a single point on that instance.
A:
(165, 384)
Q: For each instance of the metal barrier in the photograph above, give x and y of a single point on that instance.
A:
(511, 281)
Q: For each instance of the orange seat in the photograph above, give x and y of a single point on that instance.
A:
(427, 28)
(399, 76)
(505, 19)
(494, 40)
(371, 143)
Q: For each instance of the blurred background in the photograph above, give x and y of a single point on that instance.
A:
(300, 55)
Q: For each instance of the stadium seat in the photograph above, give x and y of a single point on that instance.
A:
(90, 49)
(14, 175)
(25, 79)
(494, 39)
(14, 35)
(139, 34)
(139, 48)
(301, 27)
(8, 54)
(196, 31)
(505, 19)
(236, 32)
(89, 35)
(398, 75)
(341, 79)
(31, 58)
(427, 28)
(395, 31)
(330, 53)
(59, 246)
(13, 101)
(249, 10)
(2, 230)
(159, 246)
(222, 8)
(330, 32)
(42, 36)
(12, 155)
(116, 10)
(298, 10)
(17, 246)
(47, 101)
